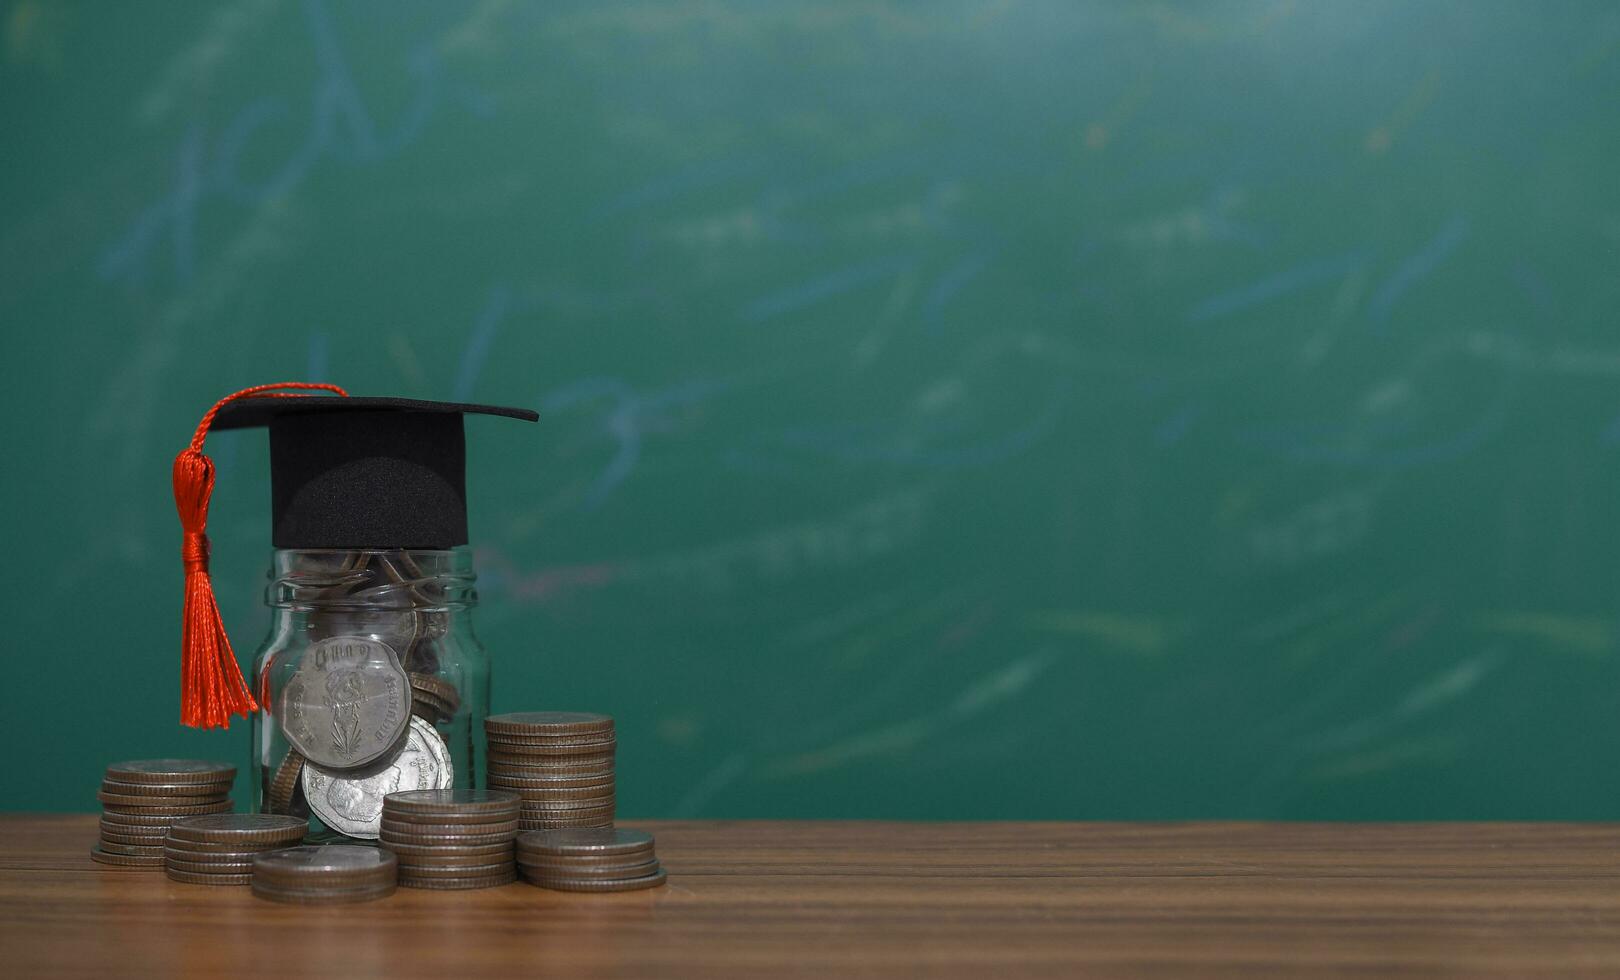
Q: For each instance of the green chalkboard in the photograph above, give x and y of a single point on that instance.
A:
(949, 409)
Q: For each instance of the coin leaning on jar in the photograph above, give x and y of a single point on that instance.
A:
(352, 804)
(284, 784)
(347, 704)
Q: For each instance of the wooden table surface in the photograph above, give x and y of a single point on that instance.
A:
(840, 899)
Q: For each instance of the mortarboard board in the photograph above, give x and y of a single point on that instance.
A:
(364, 472)
(345, 473)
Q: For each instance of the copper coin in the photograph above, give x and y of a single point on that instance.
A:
(428, 711)
(152, 802)
(172, 771)
(452, 871)
(169, 813)
(604, 860)
(391, 838)
(156, 822)
(436, 860)
(538, 765)
(542, 807)
(216, 790)
(192, 867)
(553, 747)
(132, 850)
(390, 825)
(559, 722)
(201, 847)
(131, 840)
(230, 853)
(240, 828)
(520, 780)
(438, 689)
(432, 707)
(527, 750)
(457, 803)
(124, 860)
(192, 878)
(593, 774)
(617, 872)
(452, 884)
(329, 866)
(595, 885)
(149, 831)
(543, 812)
(414, 852)
(532, 792)
(473, 824)
(621, 840)
(561, 823)
(540, 800)
(284, 784)
(322, 896)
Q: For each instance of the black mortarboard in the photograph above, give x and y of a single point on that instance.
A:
(364, 472)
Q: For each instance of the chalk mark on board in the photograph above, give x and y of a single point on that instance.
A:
(903, 443)
(989, 690)
(730, 769)
(1314, 272)
(473, 356)
(953, 281)
(868, 531)
(628, 419)
(824, 287)
(1415, 268)
(315, 362)
(337, 108)
(1354, 441)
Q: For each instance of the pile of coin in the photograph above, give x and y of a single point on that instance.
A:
(325, 874)
(559, 762)
(606, 860)
(452, 838)
(219, 849)
(141, 799)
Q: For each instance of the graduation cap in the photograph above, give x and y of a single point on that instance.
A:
(347, 473)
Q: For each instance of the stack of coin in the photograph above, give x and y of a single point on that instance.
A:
(452, 838)
(325, 874)
(140, 799)
(606, 860)
(219, 849)
(560, 762)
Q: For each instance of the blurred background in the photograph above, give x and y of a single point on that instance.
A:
(950, 410)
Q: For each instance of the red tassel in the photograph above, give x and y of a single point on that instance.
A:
(211, 684)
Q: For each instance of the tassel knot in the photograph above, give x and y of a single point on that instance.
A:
(194, 552)
(211, 685)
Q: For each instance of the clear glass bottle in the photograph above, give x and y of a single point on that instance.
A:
(351, 633)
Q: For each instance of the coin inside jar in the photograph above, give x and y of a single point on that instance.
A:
(352, 804)
(347, 704)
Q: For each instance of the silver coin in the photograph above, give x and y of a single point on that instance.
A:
(352, 802)
(348, 703)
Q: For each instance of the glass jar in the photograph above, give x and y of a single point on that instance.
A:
(370, 681)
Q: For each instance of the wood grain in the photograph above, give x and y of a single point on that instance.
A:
(847, 899)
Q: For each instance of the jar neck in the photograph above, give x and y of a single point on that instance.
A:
(371, 579)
